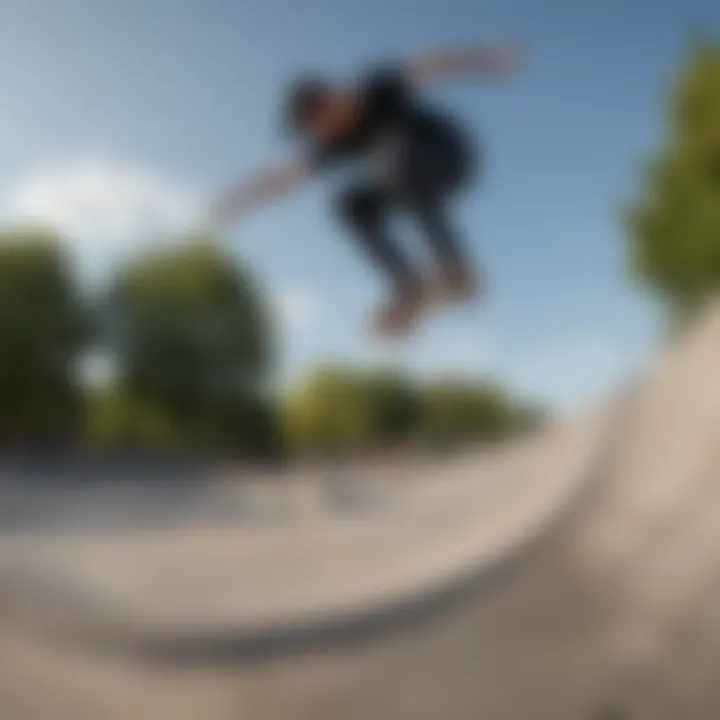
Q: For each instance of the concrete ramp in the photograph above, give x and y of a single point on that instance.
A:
(608, 527)
(318, 568)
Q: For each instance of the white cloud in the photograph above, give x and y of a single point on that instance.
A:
(298, 309)
(101, 206)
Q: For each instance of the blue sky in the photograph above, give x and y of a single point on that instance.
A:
(119, 119)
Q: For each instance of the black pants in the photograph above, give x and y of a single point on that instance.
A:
(420, 177)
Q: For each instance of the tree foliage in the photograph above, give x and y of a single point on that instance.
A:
(192, 342)
(42, 329)
(328, 413)
(456, 411)
(192, 338)
(674, 225)
(337, 409)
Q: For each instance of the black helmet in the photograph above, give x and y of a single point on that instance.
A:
(301, 98)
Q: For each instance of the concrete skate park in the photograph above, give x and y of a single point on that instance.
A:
(574, 575)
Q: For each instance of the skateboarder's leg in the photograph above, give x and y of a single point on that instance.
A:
(432, 218)
(457, 279)
(427, 178)
(365, 210)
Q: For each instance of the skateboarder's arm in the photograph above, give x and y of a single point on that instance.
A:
(259, 188)
(484, 63)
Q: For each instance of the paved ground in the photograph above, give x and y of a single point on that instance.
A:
(615, 616)
(336, 554)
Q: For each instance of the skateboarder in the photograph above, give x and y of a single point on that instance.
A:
(412, 158)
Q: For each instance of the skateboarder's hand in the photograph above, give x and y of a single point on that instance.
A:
(261, 188)
(504, 60)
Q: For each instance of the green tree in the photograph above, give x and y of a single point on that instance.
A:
(327, 413)
(245, 424)
(394, 404)
(338, 409)
(192, 337)
(457, 411)
(43, 327)
(674, 225)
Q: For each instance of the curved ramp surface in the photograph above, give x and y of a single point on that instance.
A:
(313, 569)
(617, 615)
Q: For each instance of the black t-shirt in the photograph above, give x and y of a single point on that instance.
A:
(388, 103)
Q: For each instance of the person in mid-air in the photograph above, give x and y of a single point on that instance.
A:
(413, 159)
